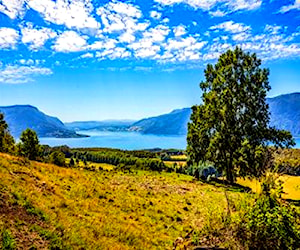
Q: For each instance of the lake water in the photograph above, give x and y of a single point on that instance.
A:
(122, 140)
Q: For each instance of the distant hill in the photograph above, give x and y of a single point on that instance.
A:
(108, 125)
(174, 123)
(285, 114)
(21, 117)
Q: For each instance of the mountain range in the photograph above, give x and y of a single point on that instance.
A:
(284, 109)
(107, 125)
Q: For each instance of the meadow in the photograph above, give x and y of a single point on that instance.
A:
(99, 205)
(46, 206)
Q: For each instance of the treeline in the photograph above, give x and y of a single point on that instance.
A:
(141, 160)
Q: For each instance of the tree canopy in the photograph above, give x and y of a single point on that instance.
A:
(7, 142)
(231, 127)
(29, 145)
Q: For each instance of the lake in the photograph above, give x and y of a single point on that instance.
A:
(122, 140)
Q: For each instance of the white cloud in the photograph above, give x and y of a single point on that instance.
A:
(12, 8)
(156, 34)
(231, 27)
(119, 16)
(70, 41)
(155, 14)
(87, 55)
(13, 74)
(104, 44)
(112, 54)
(179, 30)
(217, 13)
(213, 5)
(287, 8)
(127, 37)
(8, 38)
(182, 49)
(241, 36)
(36, 38)
(73, 14)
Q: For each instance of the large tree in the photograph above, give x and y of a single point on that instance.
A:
(231, 127)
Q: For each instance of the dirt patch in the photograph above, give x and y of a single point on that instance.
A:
(21, 224)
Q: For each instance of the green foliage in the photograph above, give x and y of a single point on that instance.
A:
(8, 242)
(231, 127)
(7, 142)
(58, 158)
(120, 159)
(270, 223)
(29, 146)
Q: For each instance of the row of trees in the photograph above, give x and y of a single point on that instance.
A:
(123, 158)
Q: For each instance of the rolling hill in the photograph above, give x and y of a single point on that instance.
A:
(21, 117)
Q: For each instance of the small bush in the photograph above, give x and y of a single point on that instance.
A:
(270, 223)
(7, 240)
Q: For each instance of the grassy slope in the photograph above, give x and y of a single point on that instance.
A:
(50, 205)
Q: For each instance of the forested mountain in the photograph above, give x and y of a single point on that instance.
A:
(21, 117)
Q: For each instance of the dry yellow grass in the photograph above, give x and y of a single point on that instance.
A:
(291, 186)
(114, 210)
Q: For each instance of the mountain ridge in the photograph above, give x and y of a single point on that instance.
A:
(21, 117)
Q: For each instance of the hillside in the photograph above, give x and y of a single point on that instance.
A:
(285, 114)
(46, 206)
(174, 123)
(21, 117)
(108, 125)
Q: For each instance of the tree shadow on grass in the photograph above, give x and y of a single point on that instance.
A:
(294, 202)
(235, 187)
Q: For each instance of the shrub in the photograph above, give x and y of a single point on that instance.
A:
(270, 223)
(7, 240)
(57, 158)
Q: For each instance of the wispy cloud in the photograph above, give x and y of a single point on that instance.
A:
(14, 74)
(232, 27)
(287, 8)
(216, 7)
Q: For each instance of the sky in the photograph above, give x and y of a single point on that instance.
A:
(96, 60)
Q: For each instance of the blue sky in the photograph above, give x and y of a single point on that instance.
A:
(96, 60)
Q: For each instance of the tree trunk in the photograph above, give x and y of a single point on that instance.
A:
(229, 172)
